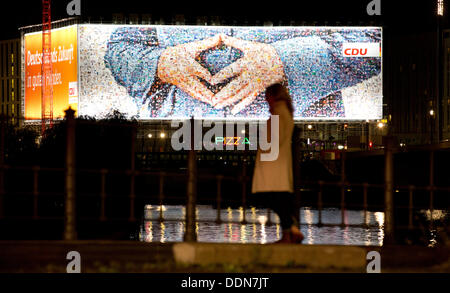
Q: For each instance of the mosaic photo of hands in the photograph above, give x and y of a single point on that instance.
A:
(222, 72)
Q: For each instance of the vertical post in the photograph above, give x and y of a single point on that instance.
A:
(343, 188)
(161, 196)
(103, 196)
(2, 164)
(367, 135)
(433, 121)
(431, 187)
(319, 202)
(388, 191)
(35, 191)
(132, 217)
(410, 208)
(365, 204)
(244, 192)
(70, 232)
(297, 157)
(439, 75)
(219, 198)
(269, 220)
(190, 234)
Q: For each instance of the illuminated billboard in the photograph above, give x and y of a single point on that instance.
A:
(215, 72)
(65, 72)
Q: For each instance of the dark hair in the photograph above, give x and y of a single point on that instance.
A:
(280, 93)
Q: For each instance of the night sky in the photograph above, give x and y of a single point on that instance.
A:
(401, 16)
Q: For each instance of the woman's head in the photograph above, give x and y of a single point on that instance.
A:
(277, 92)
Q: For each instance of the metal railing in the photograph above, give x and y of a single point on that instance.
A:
(338, 195)
(320, 194)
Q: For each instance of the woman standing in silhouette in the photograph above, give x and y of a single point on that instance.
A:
(273, 180)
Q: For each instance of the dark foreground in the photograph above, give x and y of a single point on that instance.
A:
(138, 257)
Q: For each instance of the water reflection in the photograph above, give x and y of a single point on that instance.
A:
(259, 230)
(308, 219)
(163, 232)
(379, 217)
(243, 236)
(148, 231)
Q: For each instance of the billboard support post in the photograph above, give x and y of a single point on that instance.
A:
(343, 187)
(190, 234)
(70, 232)
(132, 217)
(297, 158)
(2, 163)
(244, 192)
(388, 191)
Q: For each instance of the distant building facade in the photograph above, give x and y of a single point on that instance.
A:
(10, 85)
(410, 90)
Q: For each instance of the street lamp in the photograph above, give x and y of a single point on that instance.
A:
(162, 135)
(432, 112)
(380, 125)
(440, 7)
(149, 135)
(309, 126)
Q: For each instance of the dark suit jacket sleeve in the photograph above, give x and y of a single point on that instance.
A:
(314, 65)
(132, 56)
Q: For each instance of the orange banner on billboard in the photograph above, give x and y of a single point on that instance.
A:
(65, 72)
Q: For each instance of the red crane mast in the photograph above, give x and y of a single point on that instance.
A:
(47, 68)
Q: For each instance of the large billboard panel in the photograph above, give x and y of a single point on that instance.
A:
(212, 72)
(65, 72)
(164, 72)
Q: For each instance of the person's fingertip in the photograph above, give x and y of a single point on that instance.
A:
(206, 78)
(221, 76)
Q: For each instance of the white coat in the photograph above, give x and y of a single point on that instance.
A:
(276, 176)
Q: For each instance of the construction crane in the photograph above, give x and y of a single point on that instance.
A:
(46, 67)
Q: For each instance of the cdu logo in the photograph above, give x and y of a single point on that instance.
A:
(74, 7)
(361, 50)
